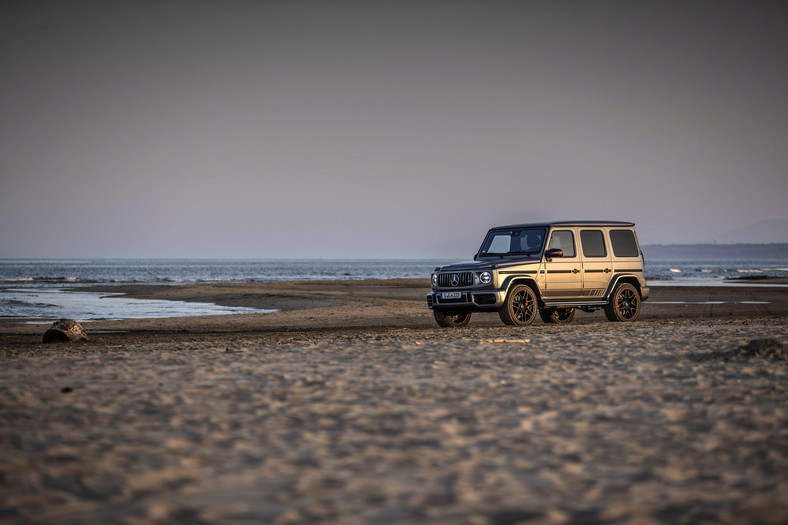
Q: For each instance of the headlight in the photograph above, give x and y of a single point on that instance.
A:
(485, 277)
(435, 280)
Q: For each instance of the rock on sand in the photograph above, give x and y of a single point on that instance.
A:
(64, 330)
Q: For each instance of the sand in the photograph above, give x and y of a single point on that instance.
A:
(350, 406)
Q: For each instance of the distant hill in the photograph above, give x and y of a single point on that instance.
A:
(774, 230)
(772, 251)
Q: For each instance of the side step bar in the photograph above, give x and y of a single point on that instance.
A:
(575, 303)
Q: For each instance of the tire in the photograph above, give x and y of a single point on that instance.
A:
(557, 315)
(520, 306)
(624, 304)
(449, 320)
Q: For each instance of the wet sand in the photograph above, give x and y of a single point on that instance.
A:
(350, 406)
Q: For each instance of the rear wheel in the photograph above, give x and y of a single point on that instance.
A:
(451, 320)
(624, 304)
(519, 308)
(557, 315)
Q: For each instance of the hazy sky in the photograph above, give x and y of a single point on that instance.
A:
(382, 129)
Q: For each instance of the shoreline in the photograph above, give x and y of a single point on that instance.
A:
(389, 303)
(386, 303)
(289, 296)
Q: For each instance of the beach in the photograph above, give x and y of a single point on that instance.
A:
(349, 405)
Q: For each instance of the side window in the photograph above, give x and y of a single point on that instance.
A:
(593, 243)
(563, 240)
(624, 243)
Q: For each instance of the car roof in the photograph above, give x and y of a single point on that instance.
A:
(565, 223)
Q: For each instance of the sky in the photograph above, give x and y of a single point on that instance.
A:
(385, 129)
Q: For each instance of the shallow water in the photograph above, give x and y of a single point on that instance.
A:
(49, 303)
(33, 288)
(700, 272)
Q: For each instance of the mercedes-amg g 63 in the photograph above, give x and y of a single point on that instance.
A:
(551, 268)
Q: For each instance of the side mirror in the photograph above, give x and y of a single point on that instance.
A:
(555, 252)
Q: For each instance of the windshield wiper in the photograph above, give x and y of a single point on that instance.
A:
(504, 254)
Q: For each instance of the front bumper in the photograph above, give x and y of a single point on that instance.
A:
(469, 300)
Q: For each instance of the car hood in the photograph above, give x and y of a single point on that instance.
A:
(471, 266)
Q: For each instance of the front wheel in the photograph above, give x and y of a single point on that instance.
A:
(519, 308)
(557, 315)
(624, 304)
(450, 320)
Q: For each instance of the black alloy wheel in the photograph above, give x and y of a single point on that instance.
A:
(451, 320)
(624, 304)
(557, 315)
(520, 306)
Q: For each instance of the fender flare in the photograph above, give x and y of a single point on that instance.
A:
(617, 278)
(522, 279)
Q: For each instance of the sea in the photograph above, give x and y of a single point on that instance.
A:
(43, 290)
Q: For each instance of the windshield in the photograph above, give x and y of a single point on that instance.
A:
(513, 242)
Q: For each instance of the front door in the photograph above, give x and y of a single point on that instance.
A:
(563, 275)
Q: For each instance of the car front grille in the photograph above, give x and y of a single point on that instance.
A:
(462, 279)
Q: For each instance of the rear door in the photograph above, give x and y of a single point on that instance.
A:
(563, 275)
(597, 265)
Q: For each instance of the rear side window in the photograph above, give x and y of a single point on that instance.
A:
(624, 243)
(593, 243)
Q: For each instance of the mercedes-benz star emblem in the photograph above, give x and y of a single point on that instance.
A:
(455, 279)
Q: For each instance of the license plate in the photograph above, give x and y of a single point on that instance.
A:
(451, 295)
